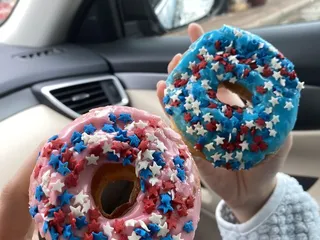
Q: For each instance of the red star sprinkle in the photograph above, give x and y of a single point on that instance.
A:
(139, 132)
(46, 151)
(190, 202)
(198, 146)
(260, 122)
(254, 147)
(246, 73)
(218, 58)
(258, 139)
(58, 228)
(284, 72)
(226, 55)
(211, 126)
(57, 144)
(244, 129)
(211, 93)
(261, 89)
(183, 154)
(253, 131)
(176, 103)
(168, 185)
(202, 65)
(195, 69)
(267, 72)
(212, 105)
(88, 236)
(178, 199)
(172, 222)
(37, 170)
(153, 191)
(217, 45)
(58, 217)
(153, 122)
(119, 225)
(66, 156)
(229, 68)
(182, 210)
(233, 51)
(148, 205)
(197, 75)
(72, 220)
(187, 117)
(117, 146)
(94, 226)
(263, 146)
(143, 145)
(79, 166)
(180, 83)
(93, 214)
(96, 150)
(71, 180)
(292, 75)
(200, 57)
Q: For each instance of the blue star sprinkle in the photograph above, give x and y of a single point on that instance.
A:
(53, 138)
(99, 236)
(158, 159)
(127, 161)
(145, 173)
(39, 193)
(67, 231)
(89, 129)
(54, 235)
(81, 222)
(54, 160)
(181, 174)
(79, 147)
(188, 227)
(52, 210)
(121, 138)
(108, 128)
(64, 147)
(125, 117)
(154, 228)
(76, 137)
(63, 168)
(134, 140)
(166, 99)
(143, 233)
(142, 186)
(178, 161)
(112, 157)
(45, 227)
(112, 117)
(33, 211)
(65, 198)
(168, 237)
(165, 205)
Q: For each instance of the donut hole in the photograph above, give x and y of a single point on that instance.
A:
(233, 94)
(114, 189)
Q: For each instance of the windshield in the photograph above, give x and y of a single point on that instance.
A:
(6, 7)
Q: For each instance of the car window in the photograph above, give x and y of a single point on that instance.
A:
(174, 15)
(6, 8)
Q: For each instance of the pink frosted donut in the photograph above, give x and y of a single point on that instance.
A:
(70, 193)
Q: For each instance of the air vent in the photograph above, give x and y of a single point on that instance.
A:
(78, 97)
(38, 54)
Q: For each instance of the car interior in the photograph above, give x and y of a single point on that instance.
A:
(60, 59)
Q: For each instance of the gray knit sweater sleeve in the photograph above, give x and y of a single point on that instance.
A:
(289, 214)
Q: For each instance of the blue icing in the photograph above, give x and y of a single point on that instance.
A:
(251, 62)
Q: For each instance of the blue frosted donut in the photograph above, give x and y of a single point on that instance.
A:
(233, 137)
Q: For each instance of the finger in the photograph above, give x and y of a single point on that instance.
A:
(195, 31)
(161, 85)
(15, 219)
(175, 60)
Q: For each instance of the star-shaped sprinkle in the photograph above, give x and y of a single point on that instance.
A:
(300, 86)
(188, 106)
(148, 154)
(161, 146)
(134, 140)
(250, 124)
(63, 168)
(269, 124)
(244, 145)
(155, 169)
(201, 131)
(275, 119)
(218, 127)
(141, 124)
(143, 165)
(57, 186)
(274, 101)
(107, 229)
(239, 155)
(215, 66)
(151, 137)
(130, 223)
(283, 82)
(65, 198)
(233, 80)
(185, 76)
(125, 118)
(79, 147)
(209, 146)
(272, 132)
(177, 237)
(219, 140)
(143, 225)
(80, 198)
(155, 218)
(86, 206)
(163, 230)
(205, 84)
(99, 236)
(190, 130)
(268, 110)
(268, 85)
(76, 211)
(33, 211)
(108, 128)
(107, 148)
(89, 129)
(192, 65)
(260, 69)
(216, 157)
(134, 236)
(54, 160)
(188, 227)
(288, 106)
(203, 51)
(233, 59)
(81, 222)
(228, 156)
(276, 75)
(153, 181)
(92, 159)
(207, 117)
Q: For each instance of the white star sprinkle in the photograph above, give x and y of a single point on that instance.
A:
(300, 86)
(268, 85)
(233, 59)
(190, 130)
(143, 225)
(219, 127)
(203, 51)
(130, 223)
(205, 84)
(275, 119)
(216, 157)
(188, 106)
(208, 57)
(174, 97)
(269, 125)
(45, 178)
(177, 237)
(57, 186)
(148, 154)
(239, 155)
(219, 140)
(185, 76)
(196, 111)
(163, 230)
(207, 117)
(85, 137)
(134, 236)
(228, 48)
(201, 131)
(215, 66)
(261, 45)
(209, 146)
(193, 78)
(233, 80)
(268, 110)
(189, 98)
(244, 145)
(276, 75)
(228, 156)
(155, 169)
(283, 82)
(250, 124)
(153, 181)
(196, 104)
(220, 77)
(155, 218)
(272, 132)
(161, 146)
(172, 174)
(224, 108)
(107, 229)
(260, 69)
(151, 137)
(289, 106)
(143, 165)
(249, 110)
(76, 212)
(191, 65)
(107, 147)
(274, 101)
(80, 197)
(86, 207)
(92, 159)
(278, 94)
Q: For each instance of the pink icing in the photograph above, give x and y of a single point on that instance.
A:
(98, 117)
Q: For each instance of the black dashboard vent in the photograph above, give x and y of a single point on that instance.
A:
(38, 54)
(78, 97)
